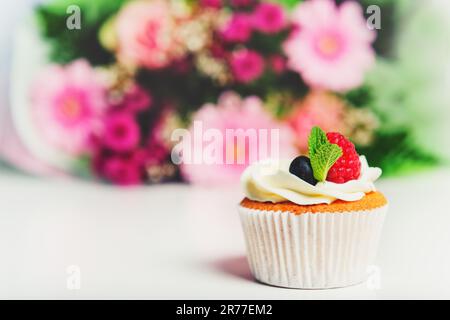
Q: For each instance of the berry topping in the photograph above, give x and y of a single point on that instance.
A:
(301, 167)
(348, 166)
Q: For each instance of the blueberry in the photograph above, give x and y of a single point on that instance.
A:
(301, 167)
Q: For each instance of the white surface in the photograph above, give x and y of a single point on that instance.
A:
(177, 242)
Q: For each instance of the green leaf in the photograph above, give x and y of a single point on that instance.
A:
(398, 155)
(316, 139)
(67, 45)
(325, 156)
(290, 3)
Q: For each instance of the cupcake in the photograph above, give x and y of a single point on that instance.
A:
(313, 222)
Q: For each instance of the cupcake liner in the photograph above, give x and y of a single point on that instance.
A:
(311, 250)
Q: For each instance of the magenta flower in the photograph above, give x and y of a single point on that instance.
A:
(237, 29)
(246, 65)
(67, 105)
(135, 99)
(277, 63)
(269, 18)
(331, 47)
(121, 132)
(216, 4)
(123, 161)
(121, 170)
(233, 113)
(218, 51)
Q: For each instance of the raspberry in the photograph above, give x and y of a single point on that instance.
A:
(348, 166)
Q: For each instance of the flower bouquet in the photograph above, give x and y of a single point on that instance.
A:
(123, 76)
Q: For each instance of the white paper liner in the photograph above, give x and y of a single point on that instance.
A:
(311, 250)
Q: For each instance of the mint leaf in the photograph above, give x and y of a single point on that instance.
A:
(324, 158)
(317, 138)
(322, 153)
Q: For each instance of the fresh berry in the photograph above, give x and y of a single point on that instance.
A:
(301, 167)
(348, 166)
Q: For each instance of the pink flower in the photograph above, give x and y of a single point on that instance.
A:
(135, 99)
(237, 29)
(317, 109)
(331, 48)
(269, 18)
(246, 65)
(121, 132)
(120, 158)
(218, 51)
(67, 105)
(146, 34)
(216, 4)
(121, 170)
(234, 113)
(277, 63)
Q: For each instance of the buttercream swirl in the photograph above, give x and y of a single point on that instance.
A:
(271, 181)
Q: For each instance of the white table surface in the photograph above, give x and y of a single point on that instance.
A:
(174, 241)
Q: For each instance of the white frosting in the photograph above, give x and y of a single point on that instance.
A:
(271, 181)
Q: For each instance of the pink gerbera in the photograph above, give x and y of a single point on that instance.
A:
(241, 116)
(67, 105)
(331, 47)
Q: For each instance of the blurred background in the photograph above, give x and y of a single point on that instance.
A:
(75, 72)
(91, 92)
